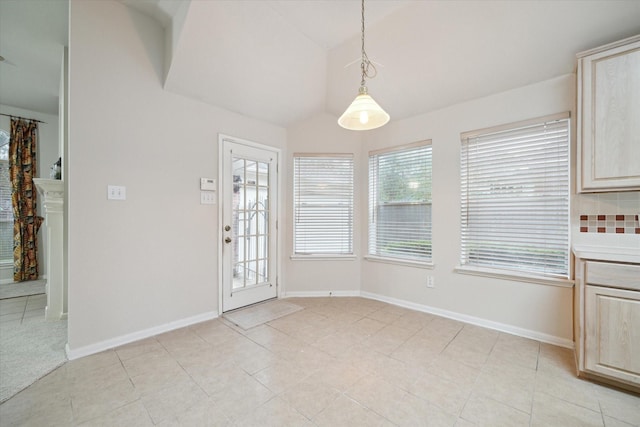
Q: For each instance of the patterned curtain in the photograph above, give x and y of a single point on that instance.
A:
(22, 168)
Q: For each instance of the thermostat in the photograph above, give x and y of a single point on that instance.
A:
(208, 184)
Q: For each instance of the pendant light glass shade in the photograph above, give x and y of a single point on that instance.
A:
(364, 113)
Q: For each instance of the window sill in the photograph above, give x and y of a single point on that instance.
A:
(417, 264)
(517, 277)
(323, 257)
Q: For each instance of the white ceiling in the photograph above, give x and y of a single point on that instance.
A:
(283, 61)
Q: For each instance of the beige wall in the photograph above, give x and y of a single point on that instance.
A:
(530, 309)
(322, 134)
(535, 310)
(143, 264)
(151, 262)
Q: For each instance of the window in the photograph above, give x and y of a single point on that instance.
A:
(515, 197)
(323, 204)
(400, 202)
(6, 208)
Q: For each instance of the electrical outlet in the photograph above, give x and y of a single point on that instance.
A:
(430, 282)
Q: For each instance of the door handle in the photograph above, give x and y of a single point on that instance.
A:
(227, 227)
(227, 240)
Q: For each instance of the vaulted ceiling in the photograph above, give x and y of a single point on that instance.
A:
(282, 61)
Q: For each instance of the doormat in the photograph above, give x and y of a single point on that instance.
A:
(256, 315)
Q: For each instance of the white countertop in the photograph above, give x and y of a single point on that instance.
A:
(607, 253)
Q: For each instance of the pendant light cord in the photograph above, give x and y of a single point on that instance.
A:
(368, 69)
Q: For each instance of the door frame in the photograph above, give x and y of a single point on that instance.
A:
(279, 230)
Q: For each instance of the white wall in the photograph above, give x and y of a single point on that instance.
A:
(536, 310)
(150, 261)
(47, 154)
(315, 276)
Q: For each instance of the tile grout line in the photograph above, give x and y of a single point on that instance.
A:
(26, 300)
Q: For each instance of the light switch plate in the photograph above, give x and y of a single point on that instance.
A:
(116, 192)
(207, 197)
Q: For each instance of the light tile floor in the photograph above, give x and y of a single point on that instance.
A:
(338, 362)
(16, 311)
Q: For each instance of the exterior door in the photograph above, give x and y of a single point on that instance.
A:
(249, 217)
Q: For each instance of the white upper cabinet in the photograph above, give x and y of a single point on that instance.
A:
(609, 117)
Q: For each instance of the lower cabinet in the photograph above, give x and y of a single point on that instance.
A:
(612, 328)
(607, 322)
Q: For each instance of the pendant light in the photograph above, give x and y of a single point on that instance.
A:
(364, 113)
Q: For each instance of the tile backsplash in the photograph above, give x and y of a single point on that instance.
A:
(609, 224)
(609, 205)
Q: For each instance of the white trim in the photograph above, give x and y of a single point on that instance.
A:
(324, 155)
(301, 165)
(298, 257)
(521, 124)
(219, 235)
(6, 268)
(399, 261)
(315, 294)
(513, 330)
(514, 275)
(402, 147)
(10, 279)
(278, 152)
(136, 336)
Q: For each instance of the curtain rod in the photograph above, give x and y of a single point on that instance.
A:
(23, 118)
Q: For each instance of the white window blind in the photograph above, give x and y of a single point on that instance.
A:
(515, 197)
(323, 204)
(400, 202)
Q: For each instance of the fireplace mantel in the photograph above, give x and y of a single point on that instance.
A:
(53, 193)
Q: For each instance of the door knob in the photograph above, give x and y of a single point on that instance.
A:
(227, 227)
(227, 240)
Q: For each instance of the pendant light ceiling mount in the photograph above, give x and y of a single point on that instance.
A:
(364, 113)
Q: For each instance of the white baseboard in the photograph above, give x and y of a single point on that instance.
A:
(136, 336)
(77, 353)
(513, 330)
(6, 270)
(10, 279)
(315, 294)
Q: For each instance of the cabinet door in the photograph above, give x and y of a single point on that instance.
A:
(608, 128)
(612, 342)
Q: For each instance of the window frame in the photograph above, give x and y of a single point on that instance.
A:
(414, 261)
(4, 163)
(348, 254)
(520, 274)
